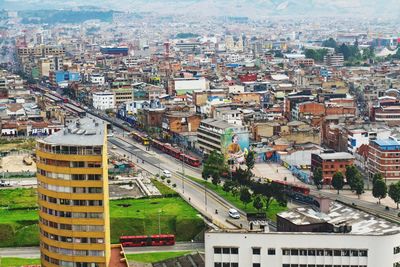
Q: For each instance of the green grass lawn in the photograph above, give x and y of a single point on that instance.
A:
(18, 217)
(18, 198)
(273, 209)
(140, 216)
(17, 262)
(164, 190)
(155, 256)
(19, 226)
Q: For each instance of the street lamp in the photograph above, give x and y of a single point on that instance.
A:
(205, 197)
(183, 172)
(159, 224)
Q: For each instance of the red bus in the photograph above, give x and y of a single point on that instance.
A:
(294, 187)
(143, 240)
(175, 152)
(170, 150)
(190, 160)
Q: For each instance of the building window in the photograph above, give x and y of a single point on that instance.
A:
(345, 253)
(294, 252)
(217, 250)
(271, 251)
(234, 250)
(363, 253)
(256, 265)
(286, 252)
(256, 251)
(225, 251)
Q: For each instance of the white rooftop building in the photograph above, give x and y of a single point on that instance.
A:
(369, 242)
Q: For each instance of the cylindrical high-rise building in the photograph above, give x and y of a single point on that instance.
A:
(73, 196)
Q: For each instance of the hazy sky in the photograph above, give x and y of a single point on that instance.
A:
(249, 8)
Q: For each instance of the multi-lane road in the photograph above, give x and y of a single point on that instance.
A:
(204, 200)
(34, 252)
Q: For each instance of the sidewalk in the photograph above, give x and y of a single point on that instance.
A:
(367, 196)
(269, 170)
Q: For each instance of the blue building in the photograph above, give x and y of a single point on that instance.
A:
(62, 76)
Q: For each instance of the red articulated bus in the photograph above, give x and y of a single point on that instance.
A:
(145, 241)
(174, 152)
(190, 160)
(294, 187)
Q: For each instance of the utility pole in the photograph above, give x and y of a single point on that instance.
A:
(183, 171)
(205, 196)
(159, 224)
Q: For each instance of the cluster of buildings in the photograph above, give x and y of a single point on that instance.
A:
(228, 88)
(181, 90)
(332, 235)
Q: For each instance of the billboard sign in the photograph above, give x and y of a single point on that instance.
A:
(234, 146)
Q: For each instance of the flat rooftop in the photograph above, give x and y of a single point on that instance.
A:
(386, 142)
(221, 124)
(362, 223)
(336, 155)
(81, 132)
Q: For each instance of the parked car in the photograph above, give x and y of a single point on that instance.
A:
(234, 214)
(4, 183)
(167, 173)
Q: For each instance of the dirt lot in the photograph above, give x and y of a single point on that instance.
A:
(125, 191)
(15, 163)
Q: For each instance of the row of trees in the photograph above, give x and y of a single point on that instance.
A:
(351, 53)
(240, 184)
(356, 183)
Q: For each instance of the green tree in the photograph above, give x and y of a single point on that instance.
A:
(241, 176)
(245, 196)
(227, 186)
(379, 190)
(216, 179)
(358, 184)
(329, 43)
(235, 191)
(351, 173)
(345, 50)
(250, 160)
(338, 181)
(258, 203)
(214, 165)
(377, 176)
(368, 53)
(266, 190)
(318, 177)
(316, 54)
(394, 193)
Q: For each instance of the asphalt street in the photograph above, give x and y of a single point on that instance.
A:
(34, 252)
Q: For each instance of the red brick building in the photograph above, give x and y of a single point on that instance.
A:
(331, 162)
(384, 158)
(180, 122)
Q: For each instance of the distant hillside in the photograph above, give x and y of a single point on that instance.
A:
(63, 16)
(250, 8)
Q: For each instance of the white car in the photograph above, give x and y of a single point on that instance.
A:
(234, 214)
(167, 173)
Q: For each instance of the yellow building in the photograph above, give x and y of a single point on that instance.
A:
(73, 196)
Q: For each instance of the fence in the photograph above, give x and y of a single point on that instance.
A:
(26, 174)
